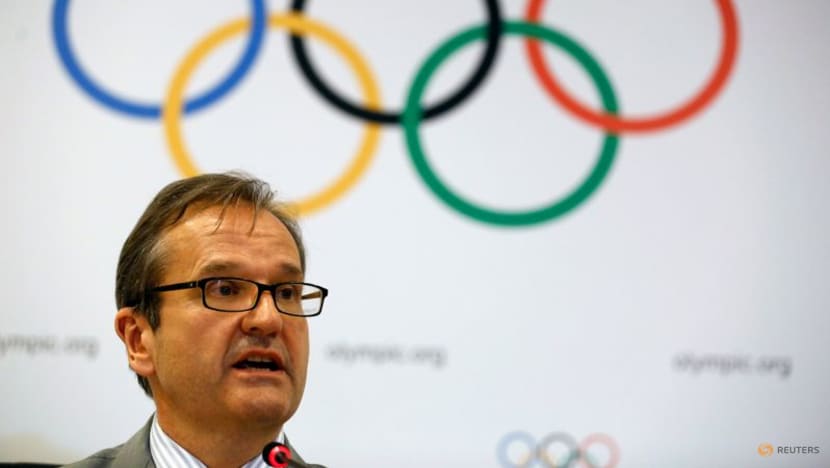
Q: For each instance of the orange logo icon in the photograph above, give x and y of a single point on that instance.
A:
(765, 450)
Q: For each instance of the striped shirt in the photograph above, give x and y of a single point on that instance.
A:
(167, 453)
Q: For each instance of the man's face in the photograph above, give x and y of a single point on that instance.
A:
(196, 352)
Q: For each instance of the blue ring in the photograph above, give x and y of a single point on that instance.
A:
(501, 450)
(152, 111)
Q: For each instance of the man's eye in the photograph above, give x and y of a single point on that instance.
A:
(288, 293)
(223, 288)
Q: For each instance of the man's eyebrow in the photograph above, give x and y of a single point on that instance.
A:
(215, 267)
(291, 269)
(224, 267)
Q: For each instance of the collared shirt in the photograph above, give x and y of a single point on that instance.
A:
(167, 453)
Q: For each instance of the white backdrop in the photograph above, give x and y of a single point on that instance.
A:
(681, 310)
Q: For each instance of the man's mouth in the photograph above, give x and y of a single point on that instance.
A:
(258, 363)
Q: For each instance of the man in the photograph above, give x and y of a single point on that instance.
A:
(213, 314)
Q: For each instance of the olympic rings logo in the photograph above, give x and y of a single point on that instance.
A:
(556, 450)
(299, 26)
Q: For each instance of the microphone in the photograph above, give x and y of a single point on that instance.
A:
(276, 454)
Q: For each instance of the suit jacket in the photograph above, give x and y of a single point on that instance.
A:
(135, 453)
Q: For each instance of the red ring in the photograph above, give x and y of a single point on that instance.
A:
(604, 439)
(616, 124)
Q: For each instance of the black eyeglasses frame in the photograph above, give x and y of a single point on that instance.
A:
(272, 288)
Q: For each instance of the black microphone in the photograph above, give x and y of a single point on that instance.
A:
(276, 454)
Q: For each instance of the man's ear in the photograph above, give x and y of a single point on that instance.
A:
(139, 339)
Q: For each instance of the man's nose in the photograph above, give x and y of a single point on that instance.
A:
(264, 319)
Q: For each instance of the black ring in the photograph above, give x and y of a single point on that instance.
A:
(494, 28)
(573, 448)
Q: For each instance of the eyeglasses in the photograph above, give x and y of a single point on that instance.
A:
(239, 295)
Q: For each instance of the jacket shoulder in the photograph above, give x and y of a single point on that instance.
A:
(131, 454)
(101, 459)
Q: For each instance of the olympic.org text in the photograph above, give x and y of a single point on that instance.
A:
(388, 354)
(733, 364)
(33, 345)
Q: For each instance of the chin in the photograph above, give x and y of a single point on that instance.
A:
(266, 409)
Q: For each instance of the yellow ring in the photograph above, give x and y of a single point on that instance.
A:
(173, 104)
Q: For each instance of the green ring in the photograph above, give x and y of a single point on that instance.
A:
(412, 119)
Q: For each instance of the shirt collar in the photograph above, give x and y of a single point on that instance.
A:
(167, 453)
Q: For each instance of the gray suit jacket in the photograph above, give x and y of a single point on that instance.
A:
(135, 453)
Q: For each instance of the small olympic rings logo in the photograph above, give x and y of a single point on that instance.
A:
(174, 105)
(557, 450)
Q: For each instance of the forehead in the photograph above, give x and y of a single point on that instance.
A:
(233, 241)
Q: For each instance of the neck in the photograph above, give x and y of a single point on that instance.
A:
(218, 445)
